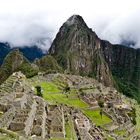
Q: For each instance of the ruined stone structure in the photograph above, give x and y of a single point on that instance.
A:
(26, 114)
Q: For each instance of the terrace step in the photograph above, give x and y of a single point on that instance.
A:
(30, 119)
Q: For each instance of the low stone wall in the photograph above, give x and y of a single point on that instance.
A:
(57, 134)
(7, 118)
(29, 121)
(17, 126)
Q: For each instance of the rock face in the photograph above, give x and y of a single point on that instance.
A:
(15, 61)
(123, 61)
(78, 50)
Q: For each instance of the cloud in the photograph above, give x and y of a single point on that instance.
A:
(125, 28)
(31, 22)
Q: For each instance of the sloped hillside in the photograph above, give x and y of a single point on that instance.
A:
(48, 64)
(15, 61)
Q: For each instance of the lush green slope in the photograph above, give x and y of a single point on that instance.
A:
(15, 61)
(48, 64)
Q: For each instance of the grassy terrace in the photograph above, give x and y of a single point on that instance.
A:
(54, 95)
(94, 116)
(70, 131)
(120, 132)
(6, 137)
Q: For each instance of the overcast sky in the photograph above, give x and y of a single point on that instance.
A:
(24, 22)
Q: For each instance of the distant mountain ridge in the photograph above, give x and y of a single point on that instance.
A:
(30, 52)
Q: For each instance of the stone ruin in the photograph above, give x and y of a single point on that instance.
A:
(56, 121)
(86, 130)
(27, 114)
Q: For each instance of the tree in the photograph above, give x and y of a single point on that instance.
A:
(101, 105)
(132, 114)
(66, 88)
(101, 112)
(38, 90)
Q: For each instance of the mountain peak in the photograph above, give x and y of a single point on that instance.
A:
(77, 49)
(75, 19)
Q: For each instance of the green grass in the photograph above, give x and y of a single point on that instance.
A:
(6, 137)
(70, 131)
(119, 132)
(54, 95)
(108, 137)
(94, 116)
(49, 87)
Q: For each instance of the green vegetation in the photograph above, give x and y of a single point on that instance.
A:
(135, 105)
(107, 137)
(8, 135)
(27, 69)
(119, 132)
(66, 89)
(15, 61)
(70, 131)
(132, 114)
(127, 88)
(138, 119)
(94, 116)
(49, 87)
(48, 64)
(56, 96)
(101, 103)
(38, 91)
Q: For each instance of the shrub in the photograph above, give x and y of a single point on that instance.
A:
(39, 92)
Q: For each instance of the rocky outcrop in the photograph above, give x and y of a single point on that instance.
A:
(78, 50)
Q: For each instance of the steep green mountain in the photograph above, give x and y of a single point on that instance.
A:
(15, 61)
(124, 63)
(79, 50)
(48, 64)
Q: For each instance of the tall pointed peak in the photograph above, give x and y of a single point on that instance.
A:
(75, 19)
